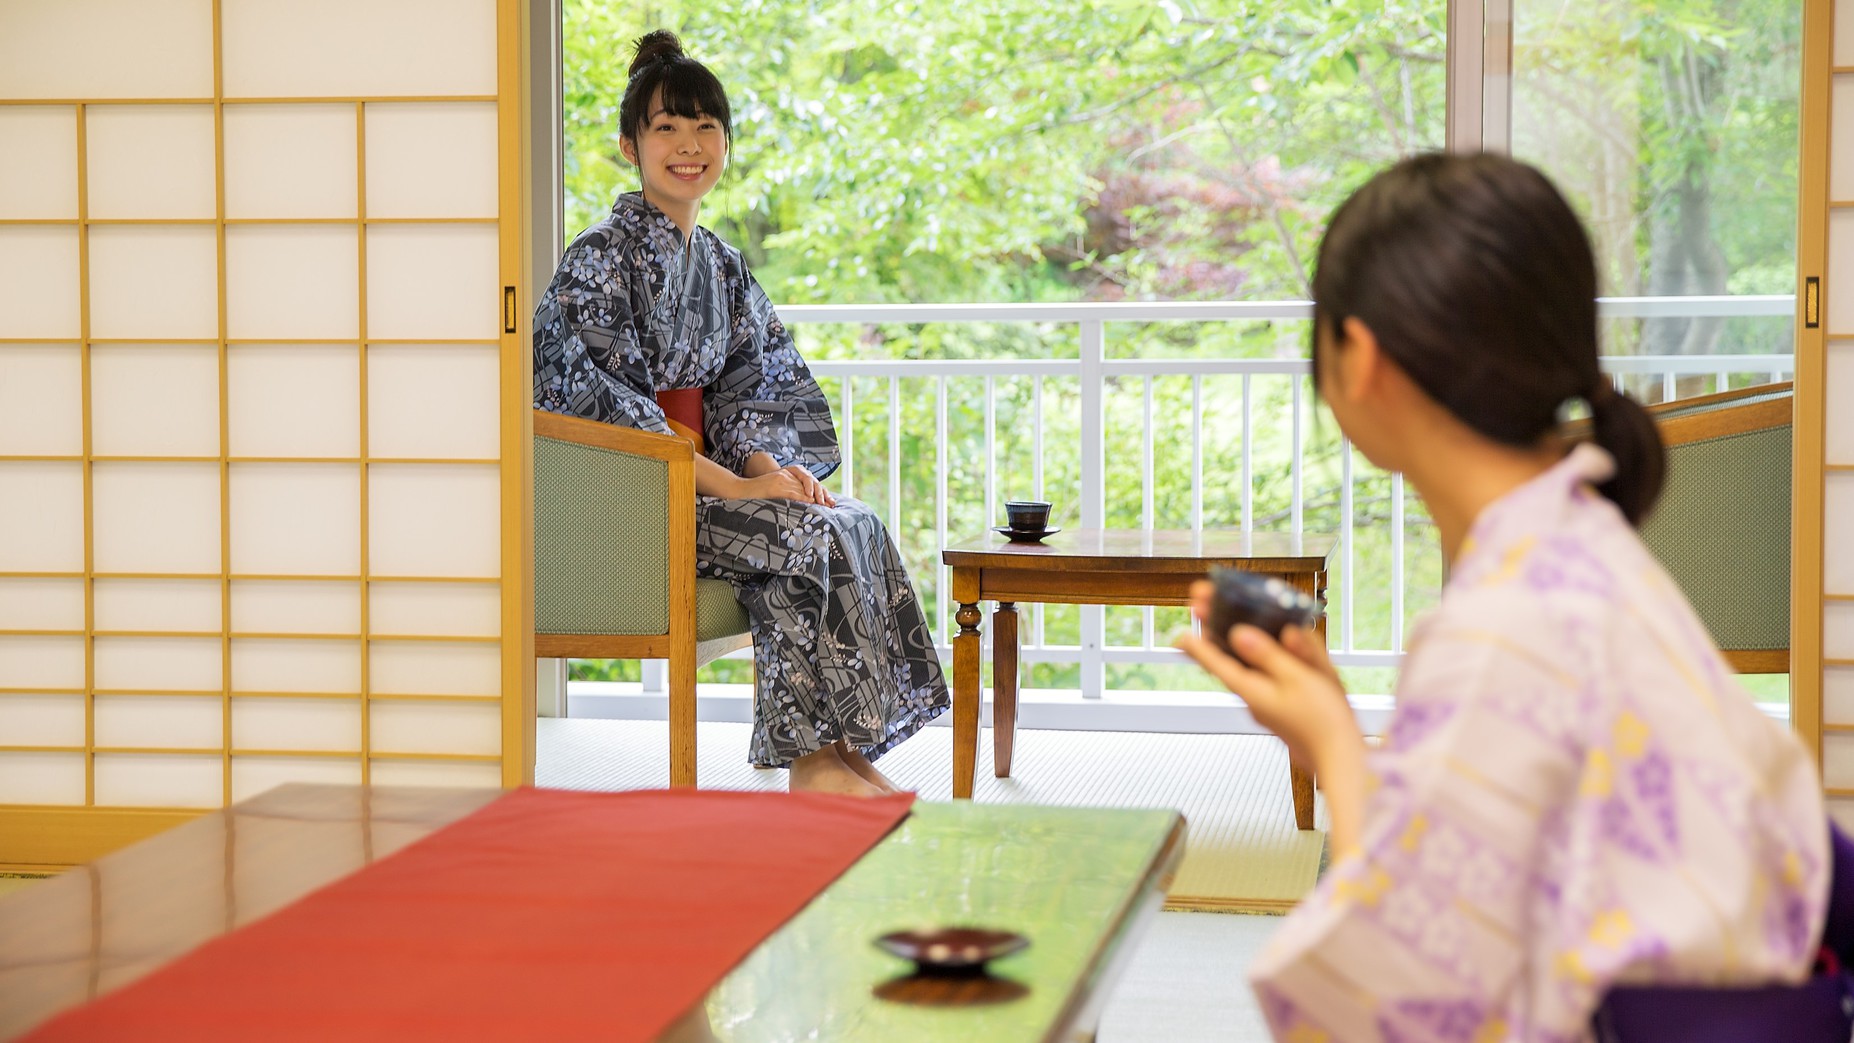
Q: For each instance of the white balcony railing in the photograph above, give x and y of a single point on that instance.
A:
(1095, 377)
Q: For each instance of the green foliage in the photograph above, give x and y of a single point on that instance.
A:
(1011, 150)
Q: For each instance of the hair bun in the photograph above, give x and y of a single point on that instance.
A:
(656, 45)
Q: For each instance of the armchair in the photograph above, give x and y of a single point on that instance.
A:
(614, 561)
(1722, 527)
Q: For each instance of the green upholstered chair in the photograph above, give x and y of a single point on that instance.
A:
(1722, 526)
(614, 561)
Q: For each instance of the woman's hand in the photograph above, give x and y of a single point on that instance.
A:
(790, 482)
(1290, 685)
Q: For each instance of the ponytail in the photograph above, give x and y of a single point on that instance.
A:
(1625, 430)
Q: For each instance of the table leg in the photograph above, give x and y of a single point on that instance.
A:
(1300, 781)
(967, 695)
(1003, 687)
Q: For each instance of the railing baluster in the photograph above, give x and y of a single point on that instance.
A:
(1036, 480)
(992, 509)
(847, 437)
(1197, 453)
(1093, 490)
(1348, 597)
(1299, 458)
(1667, 386)
(1145, 489)
(1248, 483)
(944, 446)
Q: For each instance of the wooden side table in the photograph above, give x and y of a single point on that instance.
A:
(1095, 567)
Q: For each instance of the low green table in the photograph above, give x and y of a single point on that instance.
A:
(1081, 884)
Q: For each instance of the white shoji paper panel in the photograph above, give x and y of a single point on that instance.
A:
(435, 520)
(293, 400)
(41, 516)
(434, 280)
(38, 267)
(107, 49)
(170, 721)
(42, 662)
(1838, 440)
(296, 519)
(42, 720)
(160, 664)
(387, 772)
(38, 162)
(1837, 522)
(1838, 695)
(1841, 809)
(1838, 294)
(1838, 629)
(41, 399)
(335, 48)
(155, 517)
(402, 141)
(154, 400)
(154, 282)
(1841, 158)
(283, 665)
(296, 724)
(290, 161)
(419, 668)
(1844, 33)
(159, 604)
(434, 401)
(30, 603)
(262, 606)
(159, 780)
(41, 778)
(434, 727)
(253, 775)
(284, 282)
(1837, 760)
(150, 161)
(437, 609)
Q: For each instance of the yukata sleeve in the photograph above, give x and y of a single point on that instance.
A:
(765, 400)
(1422, 931)
(587, 358)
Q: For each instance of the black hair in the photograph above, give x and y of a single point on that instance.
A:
(1478, 280)
(689, 89)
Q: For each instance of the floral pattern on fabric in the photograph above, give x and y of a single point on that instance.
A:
(1573, 794)
(841, 646)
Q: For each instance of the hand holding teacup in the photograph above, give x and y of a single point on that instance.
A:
(1260, 646)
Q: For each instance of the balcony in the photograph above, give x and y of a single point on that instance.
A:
(1073, 404)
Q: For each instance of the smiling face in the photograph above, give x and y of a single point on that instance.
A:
(680, 157)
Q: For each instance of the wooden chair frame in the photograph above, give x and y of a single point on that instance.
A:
(678, 643)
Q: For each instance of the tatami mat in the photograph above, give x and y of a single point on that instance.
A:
(1243, 853)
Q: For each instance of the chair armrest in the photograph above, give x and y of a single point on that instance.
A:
(593, 433)
(614, 528)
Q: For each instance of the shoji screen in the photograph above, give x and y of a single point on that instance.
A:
(259, 499)
(1825, 413)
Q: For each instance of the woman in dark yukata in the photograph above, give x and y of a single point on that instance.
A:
(646, 301)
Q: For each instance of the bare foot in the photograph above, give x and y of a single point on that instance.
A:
(861, 766)
(826, 772)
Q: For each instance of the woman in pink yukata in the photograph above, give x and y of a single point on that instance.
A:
(1574, 795)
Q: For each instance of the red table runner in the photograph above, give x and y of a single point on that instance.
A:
(545, 915)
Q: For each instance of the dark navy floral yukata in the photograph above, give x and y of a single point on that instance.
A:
(841, 647)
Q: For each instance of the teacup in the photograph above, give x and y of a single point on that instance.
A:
(1027, 515)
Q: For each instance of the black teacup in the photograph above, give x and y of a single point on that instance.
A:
(1268, 602)
(1027, 515)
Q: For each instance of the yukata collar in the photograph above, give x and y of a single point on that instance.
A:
(656, 220)
(1523, 512)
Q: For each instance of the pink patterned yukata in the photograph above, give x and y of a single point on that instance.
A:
(1573, 793)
